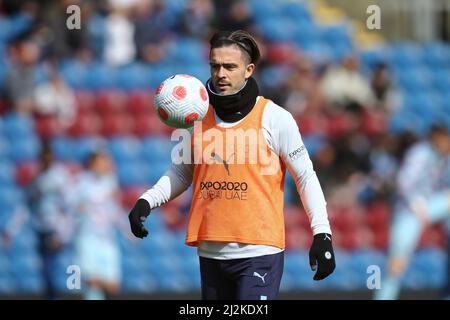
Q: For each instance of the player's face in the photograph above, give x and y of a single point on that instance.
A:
(102, 165)
(229, 69)
(442, 143)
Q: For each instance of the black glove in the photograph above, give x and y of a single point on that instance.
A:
(137, 216)
(321, 256)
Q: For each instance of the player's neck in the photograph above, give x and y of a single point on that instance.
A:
(234, 107)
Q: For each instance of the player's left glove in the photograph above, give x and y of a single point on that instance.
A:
(137, 216)
(321, 256)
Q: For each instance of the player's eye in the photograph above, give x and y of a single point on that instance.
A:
(229, 66)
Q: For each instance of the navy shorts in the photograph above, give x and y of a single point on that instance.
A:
(256, 278)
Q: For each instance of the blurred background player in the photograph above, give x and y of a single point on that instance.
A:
(51, 214)
(97, 214)
(423, 199)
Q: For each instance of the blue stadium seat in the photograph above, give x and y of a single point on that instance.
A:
(7, 171)
(173, 282)
(169, 262)
(306, 34)
(82, 147)
(125, 149)
(186, 51)
(2, 67)
(17, 127)
(414, 279)
(5, 25)
(41, 74)
(277, 30)
(130, 265)
(102, 76)
(179, 238)
(406, 55)
(96, 28)
(441, 79)
(304, 281)
(435, 55)
(63, 148)
(175, 7)
(75, 73)
(343, 276)
(189, 267)
(413, 79)
(296, 11)
(7, 284)
(290, 191)
(313, 143)
(263, 9)
(339, 51)
(125, 244)
(4, 147)
(370, 58)
(200, 71)
(134, 76)
(31, 283)
(431, 263)
(18, 24)
(337, 35)
(157, 149)
(422, 103)
(12, 26)
(65, 258)
(26, 264)
(25, 149)
(319, 52)
(343, 279)
(139, 283)
(296, 264)
(60, 281)
(360, 262)
(152, 250)
(274, 76)
(25, 242)
(403, 121)
(5, 264)
(161, 72)
(287, 282)
(156, 222)
(132, 173)
(167, 241)
(10, 197)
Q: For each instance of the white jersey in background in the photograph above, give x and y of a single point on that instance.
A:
(96, 207)
(422, 173)
(49, 197)
(97, 213)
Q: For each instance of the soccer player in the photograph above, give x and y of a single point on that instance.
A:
(236, 218)
(97, 213)
(423, 198)
(51, 216)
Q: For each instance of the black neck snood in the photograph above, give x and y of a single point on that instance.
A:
(234, 107)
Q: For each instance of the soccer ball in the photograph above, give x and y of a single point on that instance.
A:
(180, 100)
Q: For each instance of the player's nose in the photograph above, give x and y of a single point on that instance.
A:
(221, 73)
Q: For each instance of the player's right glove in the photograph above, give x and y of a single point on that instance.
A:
(137, 216)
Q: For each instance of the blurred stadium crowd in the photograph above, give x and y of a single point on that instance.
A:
(79, 91)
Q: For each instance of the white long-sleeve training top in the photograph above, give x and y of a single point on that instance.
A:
(283, 136)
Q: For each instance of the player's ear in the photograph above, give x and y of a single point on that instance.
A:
(249, 70)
